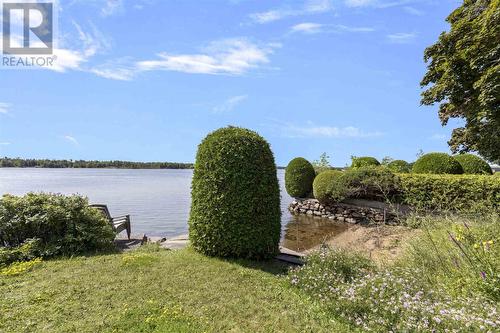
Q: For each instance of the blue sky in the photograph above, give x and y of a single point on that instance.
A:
(146, 80)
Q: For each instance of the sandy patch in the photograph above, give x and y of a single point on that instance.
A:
(381, 243)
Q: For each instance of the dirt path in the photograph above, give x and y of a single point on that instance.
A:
(381, 243)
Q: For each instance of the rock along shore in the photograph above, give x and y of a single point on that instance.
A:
(345, 212)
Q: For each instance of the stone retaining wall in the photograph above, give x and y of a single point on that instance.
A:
(344, 212)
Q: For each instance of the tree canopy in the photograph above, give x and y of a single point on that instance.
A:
(463, 77)
(7, 162)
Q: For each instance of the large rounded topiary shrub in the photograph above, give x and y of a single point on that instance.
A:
(473, 164)
(235, 208)
(329, 187)
(299, 177)
(437, 163)
(399, 166)
(364, 161)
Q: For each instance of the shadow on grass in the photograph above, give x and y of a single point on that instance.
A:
(272, 266)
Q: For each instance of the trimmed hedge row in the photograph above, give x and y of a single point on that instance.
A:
(463, 193)
(376, 183)
(46, 225)
(235, 209)
(451, 192)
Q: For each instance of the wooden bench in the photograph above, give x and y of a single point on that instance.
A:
(119, 223)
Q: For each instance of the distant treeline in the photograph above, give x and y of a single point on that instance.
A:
(7, 162)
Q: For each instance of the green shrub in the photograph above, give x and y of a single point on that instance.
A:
(399, 166)
(472, 164)
(437, 163)
(51, 224)
(235, 209)
(29, 250)
(299, 177)
(329, 187)
(460, 254)
(364, 161)
(467, 193)
(376, 183)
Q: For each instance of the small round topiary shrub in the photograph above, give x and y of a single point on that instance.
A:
(235, 208)
(437, 163)
(399, 166)
(364, 161)
(329, 187)
(299, 177)
(473, 164)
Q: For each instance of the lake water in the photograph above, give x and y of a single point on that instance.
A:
(158, 201)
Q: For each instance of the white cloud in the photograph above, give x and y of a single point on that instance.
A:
(114, 73)
(72, 57)
(270, 16)
(379, 3)
(225, 57)
(111, 7)
(308, 8)
(308, 28)
(345, 28)
(4, 108)
(4, 143)
(318, 6)
(71, 139)
(315, 28)
(401, 37)
(230, 104)
(359, 3)
(413, 11)
(230, 57)
(76, 51)
(311, 130)
(93, 41)
(67, 60)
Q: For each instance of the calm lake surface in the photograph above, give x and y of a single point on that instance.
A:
(157, 200)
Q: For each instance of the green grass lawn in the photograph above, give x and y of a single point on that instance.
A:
(152, 290)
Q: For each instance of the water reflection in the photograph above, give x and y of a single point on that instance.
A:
(304, 232)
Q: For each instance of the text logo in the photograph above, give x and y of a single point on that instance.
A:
(27, 33)
(35, 21)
